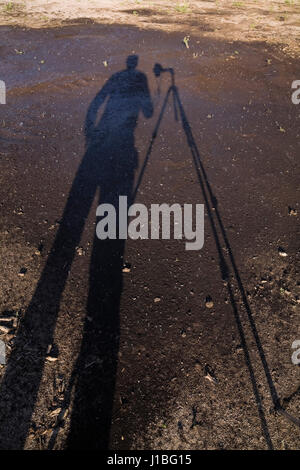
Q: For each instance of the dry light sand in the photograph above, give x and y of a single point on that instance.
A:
(275, 21)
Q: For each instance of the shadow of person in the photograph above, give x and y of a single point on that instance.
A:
(109, 165)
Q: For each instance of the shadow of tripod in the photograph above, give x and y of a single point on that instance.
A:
(228, 268)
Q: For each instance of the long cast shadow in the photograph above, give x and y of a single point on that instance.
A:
(230, 273)
(228, 269)
(109, 164)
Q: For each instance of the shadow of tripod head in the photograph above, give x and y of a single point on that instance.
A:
(158, 69)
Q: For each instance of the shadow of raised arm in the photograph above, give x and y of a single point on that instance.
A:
(91, 115)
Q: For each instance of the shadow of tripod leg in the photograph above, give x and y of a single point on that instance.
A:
(221, 239)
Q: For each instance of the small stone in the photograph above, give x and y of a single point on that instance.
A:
(157, 299)
(209, 303)
(22, 272)
(79, 250)
(282, 252)
(126, 268)
(210, 375)
(292, 211)
(51, 358)
(52, 353)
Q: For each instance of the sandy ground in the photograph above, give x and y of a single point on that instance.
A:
(161, 370)
(276, 21)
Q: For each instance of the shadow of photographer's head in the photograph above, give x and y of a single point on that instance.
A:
(132, 61)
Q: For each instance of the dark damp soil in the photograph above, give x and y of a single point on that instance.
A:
(144, 345)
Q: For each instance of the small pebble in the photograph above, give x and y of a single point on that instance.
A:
(282, 252)
(51, 358)
(210, 375)
(22, 272)
(126, 268)
(292, 211)
(80, 251)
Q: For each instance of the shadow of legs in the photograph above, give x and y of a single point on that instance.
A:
(95, 370)
(19, 387)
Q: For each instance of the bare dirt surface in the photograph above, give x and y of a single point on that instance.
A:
(105, 357)
(275, 21)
